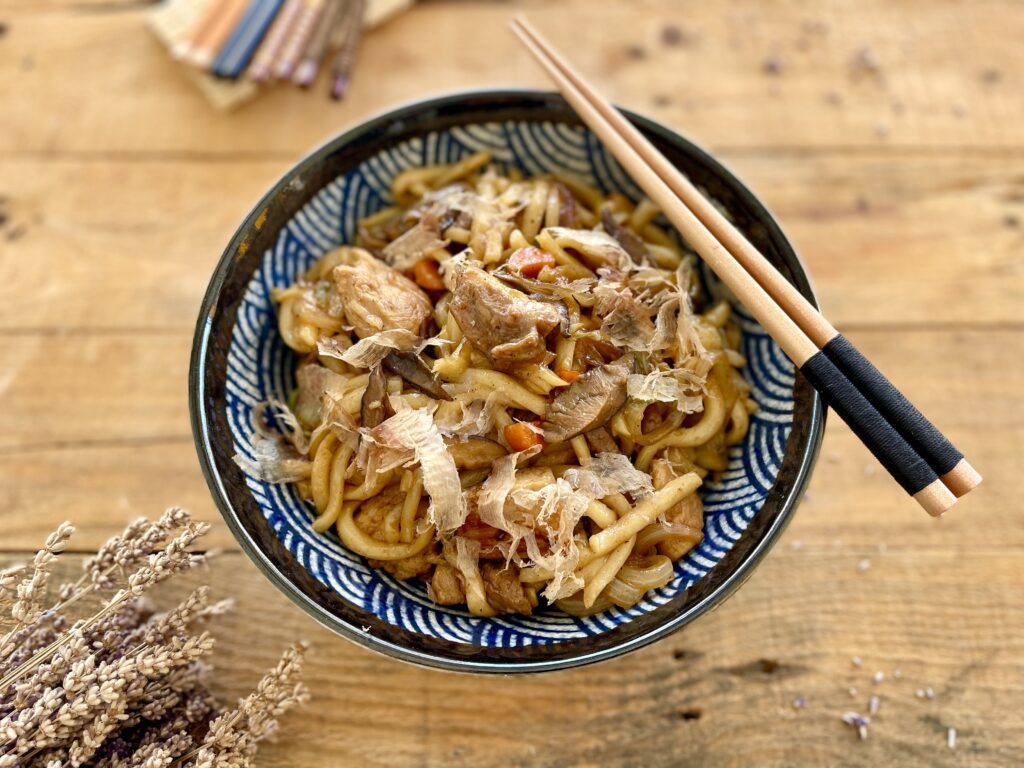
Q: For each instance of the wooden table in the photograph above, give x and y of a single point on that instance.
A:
(888, 138)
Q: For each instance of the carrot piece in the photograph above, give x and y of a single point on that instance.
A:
(427, 275)
(520, 436)
(529, 261)
(567, 374)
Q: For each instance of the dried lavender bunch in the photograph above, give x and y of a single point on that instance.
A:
(124, 686)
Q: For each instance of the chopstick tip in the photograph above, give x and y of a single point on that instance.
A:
(935, 498)
(962, 479)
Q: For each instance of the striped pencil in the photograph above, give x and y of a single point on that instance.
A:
(262, 64)
(341, 67)
(298, 36)
(316, 48)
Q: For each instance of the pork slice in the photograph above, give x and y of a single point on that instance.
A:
(503, 323)
(504, 591)
(446, 585)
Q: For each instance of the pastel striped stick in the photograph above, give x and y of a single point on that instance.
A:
(341, 68)
(204, 54)
(316, 47)
(200, 29)
(273, 42)
(298, 36)
(242, 44)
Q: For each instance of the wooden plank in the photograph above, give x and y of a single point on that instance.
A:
(118, 245)
(732, 74)
(75, 390)
(718, 694)
(121, 433)
(101, 487)
(944, 231)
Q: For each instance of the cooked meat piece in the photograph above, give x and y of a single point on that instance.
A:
(474, 452)
(378, 298)
(504, 591)
(630, 241)
(600, 440)
(593, 352)
(312, 381)
(446, 585)
(375, 406)
(501, 322)
(588, 403)
(689, 512)
(423, 237)
(414, 369)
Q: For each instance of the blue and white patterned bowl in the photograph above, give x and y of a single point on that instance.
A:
(239, 360)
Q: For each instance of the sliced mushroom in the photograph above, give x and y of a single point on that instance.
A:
(630, 241)
(596, 249)
(414, 369)
(588, 403)
(578, 290)
(375, 406)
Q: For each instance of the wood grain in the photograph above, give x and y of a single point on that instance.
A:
(887, 238)
(123, 440)
(869, 73)
(885, 134)
(719, 693)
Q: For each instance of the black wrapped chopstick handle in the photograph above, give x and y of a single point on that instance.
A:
(904, 463)
(931, 444)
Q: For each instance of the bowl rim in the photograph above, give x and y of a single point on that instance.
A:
(198, 417)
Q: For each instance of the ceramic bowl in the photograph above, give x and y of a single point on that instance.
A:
(239, 359)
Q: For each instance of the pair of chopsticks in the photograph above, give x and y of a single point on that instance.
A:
(914, 452)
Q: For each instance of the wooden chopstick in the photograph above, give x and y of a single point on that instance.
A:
(893, 451)
(943, 457)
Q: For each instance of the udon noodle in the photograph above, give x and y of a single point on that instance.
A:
(505, 389)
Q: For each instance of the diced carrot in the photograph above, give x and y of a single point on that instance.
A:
(428, 275)
(529, 261)
(566, 374)
(520, 436)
